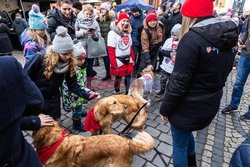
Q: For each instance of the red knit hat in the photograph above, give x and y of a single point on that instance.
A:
(151, 16)
(197, 8)
(121, 16)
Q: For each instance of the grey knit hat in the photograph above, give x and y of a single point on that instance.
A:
(79, 50)
(62, 42)
(176, 29)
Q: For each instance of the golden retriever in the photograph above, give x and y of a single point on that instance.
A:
(106, 111)
(142, 87)
(93, 151)
(110, 109)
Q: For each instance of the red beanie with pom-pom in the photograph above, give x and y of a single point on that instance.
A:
(198, 8)
(121, 16)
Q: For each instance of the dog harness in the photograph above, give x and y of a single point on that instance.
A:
(90, 123)
(45, 153)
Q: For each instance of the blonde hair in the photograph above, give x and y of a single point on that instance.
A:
(59, 3)
(119, 26)
(88, 7)
(38, 38)
(51, 60)
(187, 22)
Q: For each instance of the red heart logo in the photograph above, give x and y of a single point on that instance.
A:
(125, 40)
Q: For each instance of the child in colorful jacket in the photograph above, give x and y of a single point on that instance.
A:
(71, 100)
(35, 38)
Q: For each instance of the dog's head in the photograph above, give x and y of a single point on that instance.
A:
(109, 105)
(148, 70)
(47, 135)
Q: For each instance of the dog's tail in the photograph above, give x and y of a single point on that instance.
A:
(142, 143)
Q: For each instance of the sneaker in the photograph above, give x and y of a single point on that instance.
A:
(106, 78)
(245, 117)
(228, 110)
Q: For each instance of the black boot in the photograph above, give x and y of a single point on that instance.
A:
(84, 114)
(191, 161)
(77, 124)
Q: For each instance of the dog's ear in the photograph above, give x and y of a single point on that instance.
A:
(40, 135)
(101, 109)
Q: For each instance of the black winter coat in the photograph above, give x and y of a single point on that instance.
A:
(173, 19)
(5, 42)
(50, 87)
(56, 18)
(19, 97)
(19, 25)
(204, 60)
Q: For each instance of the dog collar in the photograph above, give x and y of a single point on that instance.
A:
(45, 153)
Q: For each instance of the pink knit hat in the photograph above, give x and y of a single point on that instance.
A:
(106, 5)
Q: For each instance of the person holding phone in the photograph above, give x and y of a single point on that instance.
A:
(85, 26)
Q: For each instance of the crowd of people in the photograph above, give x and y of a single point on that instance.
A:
(192, 49)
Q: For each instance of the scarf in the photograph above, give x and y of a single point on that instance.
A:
(45, 153)
(62, 68)
(90, 124)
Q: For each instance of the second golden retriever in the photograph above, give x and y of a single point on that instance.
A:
(93, 151)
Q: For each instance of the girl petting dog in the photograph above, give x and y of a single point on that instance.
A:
(48, 72)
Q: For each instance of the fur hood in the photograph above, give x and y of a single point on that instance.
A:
(115, 28)
(109, 16)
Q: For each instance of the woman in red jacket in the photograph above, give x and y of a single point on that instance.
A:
(120, 50)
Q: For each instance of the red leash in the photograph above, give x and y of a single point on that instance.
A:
(45, 153)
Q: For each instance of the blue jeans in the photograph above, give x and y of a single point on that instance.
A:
(183, 146)
(243, 70)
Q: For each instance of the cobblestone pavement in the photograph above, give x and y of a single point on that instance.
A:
(214, 144)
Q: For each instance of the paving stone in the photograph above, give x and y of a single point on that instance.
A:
(148, 164)
(215, 164)
(206, 159)
(151, 116)
(207, 153)
(152, 123)
(217, 151)
(138, 161)
(153, 132)
(67, 123)
(149, 155)
(158, 162)
(165, 149)
(120, 128)
(217, 159)
(163, 128)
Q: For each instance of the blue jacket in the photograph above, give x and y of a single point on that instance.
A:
(19, 97)
(241, 155)
(136, 23)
